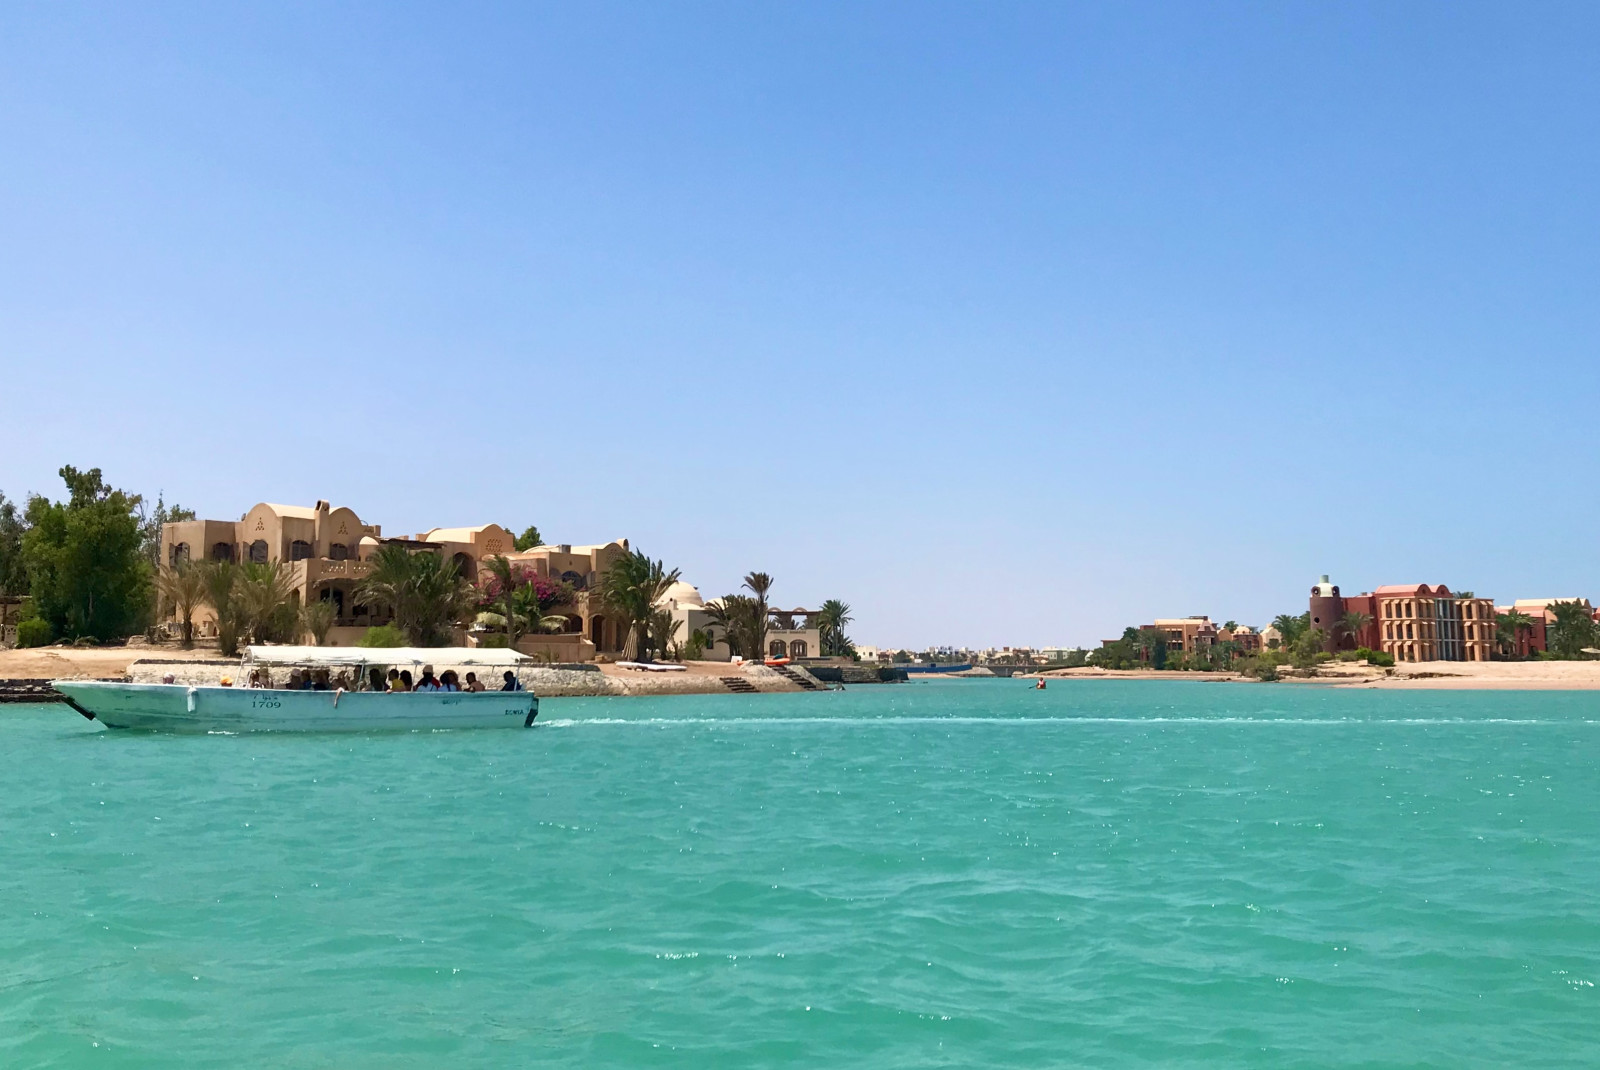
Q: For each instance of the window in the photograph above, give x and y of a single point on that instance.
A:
(222, 551)
(339, 552)
(777, 649)
(299, 550)
(797, 649)
(258, 551)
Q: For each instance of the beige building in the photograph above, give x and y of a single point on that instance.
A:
(1188, 634)
(327, 551)
(1416, 622)
(790, 633)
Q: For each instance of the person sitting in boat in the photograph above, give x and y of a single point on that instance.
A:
(297, 680)
(375, 680)
(255, 678)
(404, 681)
(512, 683)
(319, 681)
(394, 679)
(473, 683)
(449, 681)
(428, 682)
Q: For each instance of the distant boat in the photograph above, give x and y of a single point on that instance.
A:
(183, 708)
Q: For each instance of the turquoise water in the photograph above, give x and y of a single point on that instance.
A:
(934, 874)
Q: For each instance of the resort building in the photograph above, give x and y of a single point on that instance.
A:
(1411, 621)
(1246, 638)
(1188, 634)
(327, 551)
(1535, 637)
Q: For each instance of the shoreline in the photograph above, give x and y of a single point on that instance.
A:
(1411, 676)
(21, 670)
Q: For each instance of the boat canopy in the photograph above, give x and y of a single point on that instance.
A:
(453, 656)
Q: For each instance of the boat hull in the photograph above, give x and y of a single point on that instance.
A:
(176, 708)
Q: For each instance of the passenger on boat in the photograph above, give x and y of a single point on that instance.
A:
(428, 681)
(405, 680)
(297, 680)
(342, 682)
(255, 678)
(375, 680)
(512, 683)
(394, 680)
(319, 681)
(448, 681)
(473, 683)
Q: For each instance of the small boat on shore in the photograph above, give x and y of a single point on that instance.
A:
(220, 708)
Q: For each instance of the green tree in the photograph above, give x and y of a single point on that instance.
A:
(664, 633)
(182, 589)
(426, 592)
(831, 620)
(630, 588)
(528, 539)
(1152, 646)
(266, 597)
(743, 622)
(1509, 628)
(1573, 630)
(221, 580)
(316, 617)
(1353, 624)
(13, 569)
(1291, 628)
(84, 557)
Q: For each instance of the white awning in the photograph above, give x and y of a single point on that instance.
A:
(452, 656)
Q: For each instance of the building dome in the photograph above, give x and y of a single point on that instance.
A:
(683, 593)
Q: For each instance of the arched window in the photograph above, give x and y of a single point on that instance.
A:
(466, 567)
(574, 626)
(180, 554)
(797, 649)
(338, 551)
(778, 649)
(575, 578)
(299, 550)
(258, 551)
(222, 551)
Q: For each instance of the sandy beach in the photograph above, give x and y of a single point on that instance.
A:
(1435, 675)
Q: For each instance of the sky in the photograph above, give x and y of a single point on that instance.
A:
(1007, 324)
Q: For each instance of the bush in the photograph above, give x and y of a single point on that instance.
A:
(494, 641)
(1375, 657)
(385, 635)
(33, 633)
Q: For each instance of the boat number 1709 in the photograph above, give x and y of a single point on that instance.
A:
(265, 704)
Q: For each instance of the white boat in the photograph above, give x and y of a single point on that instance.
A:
(205, 708)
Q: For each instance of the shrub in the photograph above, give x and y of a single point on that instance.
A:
(33, 633)
(1375, 657)
(494, 641)
(384, 635)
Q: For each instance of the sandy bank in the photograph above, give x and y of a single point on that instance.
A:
(1433, 675)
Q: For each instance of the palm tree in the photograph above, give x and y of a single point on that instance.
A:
(183, 587)
(427, 593)
(1353, 624)
(664, 632)
(1509, 628)
(1289, 627)
(759, 583)
(1573, 630)
(742, 620)
(316, 617)
(265, 593)
(528, 615)
(631, 588)
(221, 579)
(831, 620)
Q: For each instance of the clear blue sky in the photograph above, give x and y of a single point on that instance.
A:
(1005, 323)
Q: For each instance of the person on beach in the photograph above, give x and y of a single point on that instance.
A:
(473, 683)
(512, 683)
(375, 681)
(428, 682)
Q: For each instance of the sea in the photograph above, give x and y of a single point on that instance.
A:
(960, 873)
